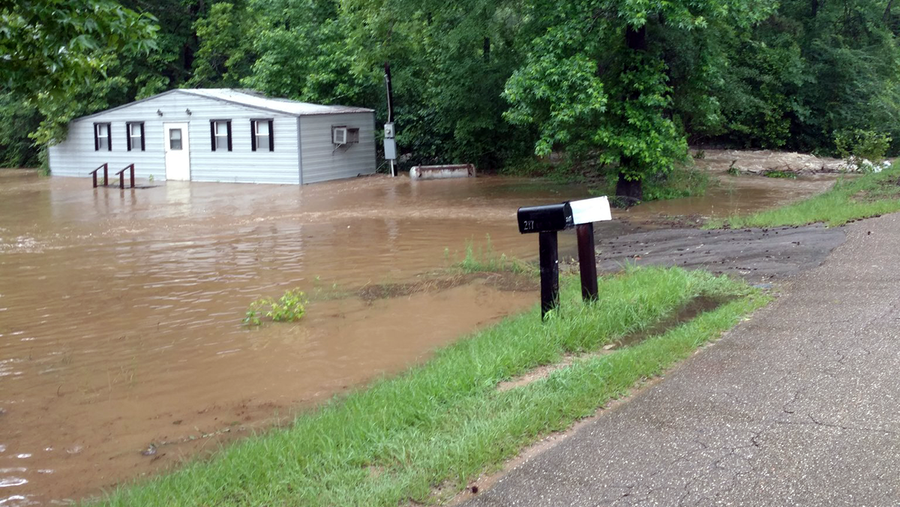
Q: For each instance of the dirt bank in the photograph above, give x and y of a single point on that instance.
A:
(754, 254)
(763, 161)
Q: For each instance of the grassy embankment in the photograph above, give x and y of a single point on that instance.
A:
(441, 424)
(862, 197)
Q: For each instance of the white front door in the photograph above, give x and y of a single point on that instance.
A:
(178, 156)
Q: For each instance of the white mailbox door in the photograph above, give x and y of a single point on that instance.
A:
(587, 211)
(178, 154)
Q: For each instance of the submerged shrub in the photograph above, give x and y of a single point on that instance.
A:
(859, 145)
(289, 308)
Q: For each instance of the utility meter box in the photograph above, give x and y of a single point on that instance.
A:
(390, 149)
(389, 130)
(547, 218)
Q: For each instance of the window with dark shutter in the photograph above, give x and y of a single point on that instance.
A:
(262, 137)
(102, 141)
(220, 134)
(135, 136)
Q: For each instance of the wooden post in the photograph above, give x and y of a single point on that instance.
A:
(94, 174)
(106, 175)
(587, 260)
(549, 253)
(390, 92)
(390, 102)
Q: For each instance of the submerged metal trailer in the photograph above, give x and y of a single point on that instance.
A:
(435, 172)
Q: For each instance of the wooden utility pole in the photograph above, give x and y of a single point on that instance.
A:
(390, 102)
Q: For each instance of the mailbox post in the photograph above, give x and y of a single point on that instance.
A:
(587, 261)
(584, 213)
(547, 221)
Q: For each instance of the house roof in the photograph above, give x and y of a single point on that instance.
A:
(251, 99)
(259, 101)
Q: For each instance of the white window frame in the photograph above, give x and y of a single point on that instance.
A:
(180, 139)
(103, 128)
(221, 134)
(339, 135)
(257, 145)
(135, 132)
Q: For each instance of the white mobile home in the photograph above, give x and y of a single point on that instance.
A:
(221, 135)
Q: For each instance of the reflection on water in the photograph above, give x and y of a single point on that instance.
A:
(120, 310)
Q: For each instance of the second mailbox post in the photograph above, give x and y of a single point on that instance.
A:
(585, 213)
(547, 221)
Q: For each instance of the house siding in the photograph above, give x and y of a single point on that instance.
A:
(321, 160)
(76, 155)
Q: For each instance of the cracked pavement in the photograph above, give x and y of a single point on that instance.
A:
(796, 406)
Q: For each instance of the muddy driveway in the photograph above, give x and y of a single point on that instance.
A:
(121, 345)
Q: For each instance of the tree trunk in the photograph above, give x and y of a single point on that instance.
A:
(632, 190)
(190, 46)
(636, 38)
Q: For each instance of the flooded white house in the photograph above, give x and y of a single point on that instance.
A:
(223, 135)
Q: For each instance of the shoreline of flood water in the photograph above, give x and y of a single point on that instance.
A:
(120, 309)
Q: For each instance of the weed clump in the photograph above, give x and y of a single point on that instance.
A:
(733, 170)
(777, 173)
(289, 308)
(485, 260)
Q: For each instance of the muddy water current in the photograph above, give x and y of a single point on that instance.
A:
(121, 346)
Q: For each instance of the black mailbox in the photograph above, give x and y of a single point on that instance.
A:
(551, 217)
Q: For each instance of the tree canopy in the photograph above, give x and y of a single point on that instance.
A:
(623, 84)
(59, 60)
(52, 45)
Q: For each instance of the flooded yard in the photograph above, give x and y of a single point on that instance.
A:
(121, 345)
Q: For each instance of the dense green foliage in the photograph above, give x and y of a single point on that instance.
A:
(442, 424)
(60, 59)
(624, 84)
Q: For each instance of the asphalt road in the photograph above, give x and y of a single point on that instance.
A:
(800, 405)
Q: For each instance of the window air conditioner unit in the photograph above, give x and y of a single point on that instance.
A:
(339, 135)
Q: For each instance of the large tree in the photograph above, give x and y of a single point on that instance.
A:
(596, 79)
(50, 45)
(449, 62)
(60, 56)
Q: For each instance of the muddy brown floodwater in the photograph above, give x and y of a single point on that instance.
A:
(120, 310)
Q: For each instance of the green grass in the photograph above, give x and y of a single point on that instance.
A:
(443, 423)
(483, 259)
(848, 200)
